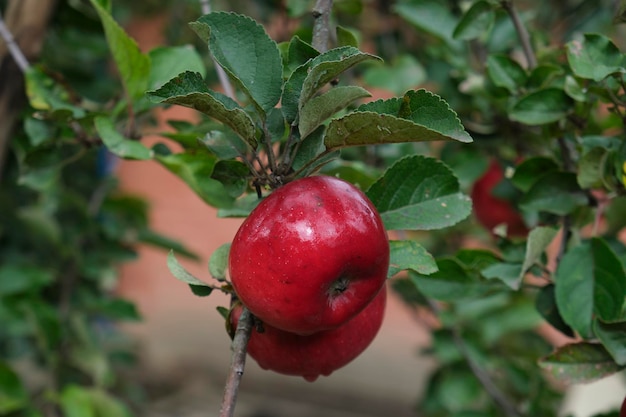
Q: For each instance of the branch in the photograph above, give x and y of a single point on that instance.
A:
(321, 25)
(522, 33)
(14, 48)
(237, 364)
(221, 74)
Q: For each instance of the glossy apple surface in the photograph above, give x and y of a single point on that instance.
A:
(491, 210)
(320, 353)
(310, 256)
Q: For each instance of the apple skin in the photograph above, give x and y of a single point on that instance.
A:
(490, 210)
(622, 410)
(319, 353)
(310, 256)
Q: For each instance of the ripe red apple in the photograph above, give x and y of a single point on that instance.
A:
(622, 410)
(310, 256)
(319, 353)
(491, 210)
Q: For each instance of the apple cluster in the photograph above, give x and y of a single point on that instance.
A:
(310, 263)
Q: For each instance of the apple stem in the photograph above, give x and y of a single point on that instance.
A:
(237, 364)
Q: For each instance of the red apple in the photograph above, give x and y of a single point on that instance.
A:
(310, 256)
(622, 410)
(319, 353)
(491, 210)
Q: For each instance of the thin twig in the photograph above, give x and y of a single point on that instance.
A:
(237, 365)
(321, 25)
(522, 33)
(483, 377)
(221, 74)
(14, 49)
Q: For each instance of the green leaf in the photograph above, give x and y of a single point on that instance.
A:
(476, 259)
(591, 168)
(538, 240)
(450, 282)
(13, 395)
(546, 306)
(580, 363)
(218, 263)
(44, 93)
(506, 72)
(242, 207)
(298, 53)
(356, 172)
(574, 288)
(308, 78)
(573, 89)
(517, 316)
(327, 70)
(555, 192)
(408, 254)
(510, 274)
(75, 401)
(609, 282)
(245, 51)
(118, 309)
(196, 170)
(346, 37)
(418, 116)
(133, 65)
(476, 22)
(403, 73)
(224, 144)
(190, 90)
(198, 286)
(118, 144)
(530, 170)
(419, 193)
(233, 175)
(541, 107)
(544, 75)
(431, 16)
(590, 280)
(595, 57)
(169, 61)
(613, 337)
(320, 108)
(17, 279)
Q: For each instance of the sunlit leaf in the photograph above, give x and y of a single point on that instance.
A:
(189, 89)
(419, 193)
(408, 254)
(245, 51)
(133, 65)
(320, 108)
